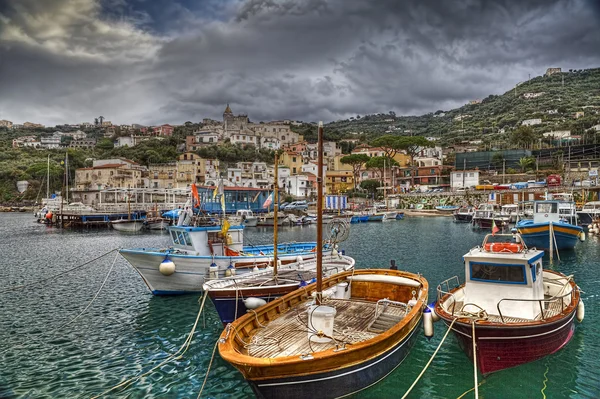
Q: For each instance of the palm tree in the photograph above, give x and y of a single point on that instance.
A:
(101, 118)
(526, 163)
(96, 121)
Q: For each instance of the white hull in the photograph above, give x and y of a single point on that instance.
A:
(159, 225)
(129, 226)
(251, 221)
(191, 271)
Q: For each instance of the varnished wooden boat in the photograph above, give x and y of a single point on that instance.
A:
(375, 325)
(519, 311)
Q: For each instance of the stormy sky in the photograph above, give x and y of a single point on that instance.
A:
(170, 61)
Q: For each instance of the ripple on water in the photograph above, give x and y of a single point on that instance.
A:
(127, 331)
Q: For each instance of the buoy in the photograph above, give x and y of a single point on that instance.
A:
(299, 259)
(255, 269)
(582, 236)
(428, 322)
(334, 252)
(228, 272)
(580, 311)
(231, 269)
(434, 316)
(254, 303)
(166, 267)
(213, 270)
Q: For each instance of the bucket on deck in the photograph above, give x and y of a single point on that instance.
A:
(342, 291)
(320, 319)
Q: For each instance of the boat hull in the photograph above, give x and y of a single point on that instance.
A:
(127, 226)
(463, 217)
(376, 218)
(504, 346)
(158, 225)
(486, 223)
(538, 234)
(346, 380)
(191, 271)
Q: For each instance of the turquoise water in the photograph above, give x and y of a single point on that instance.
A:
(127, 331)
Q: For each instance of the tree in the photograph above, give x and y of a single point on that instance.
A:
(370, 185)
(380, 164)
(356, 161)
(412, 145)
(526, 163)
(105, 144)
(523, 136)
(389, 144)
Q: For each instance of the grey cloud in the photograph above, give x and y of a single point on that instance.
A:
(275, 59)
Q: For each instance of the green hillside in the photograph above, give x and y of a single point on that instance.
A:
(580, 92)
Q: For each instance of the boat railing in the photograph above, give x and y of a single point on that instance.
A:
(547, 306)
(444, 291)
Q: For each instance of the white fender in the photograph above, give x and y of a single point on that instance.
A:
(428, 322)
(254, 303)
(582, 236)
(580, 311)
(166, 267)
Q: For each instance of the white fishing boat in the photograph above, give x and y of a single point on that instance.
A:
(127, 225)
(245, 217)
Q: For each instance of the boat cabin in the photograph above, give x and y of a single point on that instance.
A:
(485, 211)
(546, 211)
(244, 212)
(592, 207)
(207, 240)
(502, 276)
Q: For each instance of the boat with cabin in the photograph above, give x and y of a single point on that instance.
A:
(509, 310)
(233, 296)
(268, 220)
(487, 215)
(464, 214)
(332, 338)
(184, 266)
(549, 227)
(511, 211)
(245, 217)
(589, 213)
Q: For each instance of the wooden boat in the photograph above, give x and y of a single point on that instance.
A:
(233, 296)
(127, 225)
(519, 311)
(549, 226)
(332, 338)
(486, 215)
(375, 325)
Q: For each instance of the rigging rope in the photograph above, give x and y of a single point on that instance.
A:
(430, 360)
(18, 287)
(175, 356)
(476, 387)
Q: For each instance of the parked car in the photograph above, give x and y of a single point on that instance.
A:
(297, 206)
(283, 205)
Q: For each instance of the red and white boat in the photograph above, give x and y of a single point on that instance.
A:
(518, 311)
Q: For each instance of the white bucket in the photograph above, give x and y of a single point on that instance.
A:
(320, 318)
(341, 292)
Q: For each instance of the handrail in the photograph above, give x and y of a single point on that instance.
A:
(549, 300)
(442, 293)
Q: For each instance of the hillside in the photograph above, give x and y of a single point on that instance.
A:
(556, 107)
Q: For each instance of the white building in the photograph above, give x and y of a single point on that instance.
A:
(50, 142)
(532, 122)
(463, 179)
(298, 186)
(558, 135)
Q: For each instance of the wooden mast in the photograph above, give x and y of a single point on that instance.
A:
(275, 209)
(320, 216)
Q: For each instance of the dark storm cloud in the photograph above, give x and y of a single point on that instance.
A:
(164, 61)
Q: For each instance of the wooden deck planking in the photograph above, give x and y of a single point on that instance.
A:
(551, 309)
(288, 334)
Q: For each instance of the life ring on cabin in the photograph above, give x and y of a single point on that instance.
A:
(231, 252)
(511, 247)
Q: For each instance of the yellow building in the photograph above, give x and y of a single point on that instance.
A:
(338, 182)
(110, 173)
(400, 157)
(292, 160)
(336, 164)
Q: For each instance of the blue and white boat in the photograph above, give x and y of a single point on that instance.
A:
(447, 208)
(549, 222)
(197, 253)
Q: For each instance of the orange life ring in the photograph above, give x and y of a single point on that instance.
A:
(511, 247)
(231, 252)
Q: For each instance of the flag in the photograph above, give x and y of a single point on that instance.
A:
(256, 197)
(223, 203)
(268, 201)
(215, 191)
(495, 228)
(195, 197)
(225, 227)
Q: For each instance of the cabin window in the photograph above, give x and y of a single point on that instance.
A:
(175, 238)
(546, 207)
(186, 239)
(505, 274)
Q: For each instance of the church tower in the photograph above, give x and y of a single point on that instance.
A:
(227, 118)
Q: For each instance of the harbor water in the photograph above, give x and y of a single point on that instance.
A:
(127, 331)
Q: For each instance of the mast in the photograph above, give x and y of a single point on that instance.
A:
(48, 179)
(67, 177)
(275, 209)
(128, 207)
(320, 216)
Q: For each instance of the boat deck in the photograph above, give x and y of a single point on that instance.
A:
(551, 309)
(354, 322)
(283, 277)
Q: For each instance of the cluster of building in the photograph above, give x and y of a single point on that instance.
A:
(77, 139)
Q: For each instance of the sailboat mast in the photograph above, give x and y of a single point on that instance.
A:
(48, 179)
(67, 177)
(320, 216)
(275, 209)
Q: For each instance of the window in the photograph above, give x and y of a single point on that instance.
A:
(546, 207)
(432, 171)
(471, 174)
(505, 274)
(458, 175)
(294, 170)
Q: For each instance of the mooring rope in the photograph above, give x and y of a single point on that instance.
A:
(208, 370)
(476, 387)
(175, 356)
(19, 287)
(430, 360)
(545, 381)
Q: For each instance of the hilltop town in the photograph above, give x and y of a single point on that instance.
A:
(522, 131)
